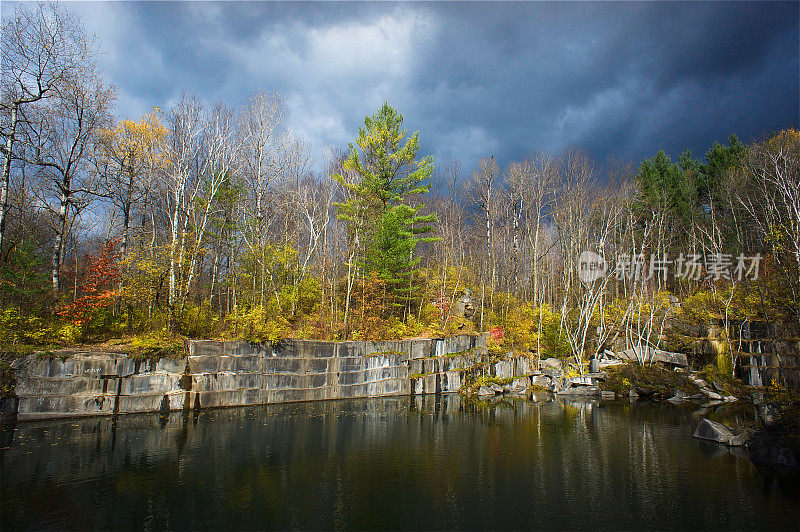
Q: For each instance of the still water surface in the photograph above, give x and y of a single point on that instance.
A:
(418, 463)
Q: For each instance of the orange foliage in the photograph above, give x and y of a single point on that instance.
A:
(102, 273)
(442, 304)
(373, 304)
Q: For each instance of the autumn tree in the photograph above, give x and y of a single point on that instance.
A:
(97, 287)
(128, 157)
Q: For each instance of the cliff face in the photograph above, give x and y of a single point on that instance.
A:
(217, 374)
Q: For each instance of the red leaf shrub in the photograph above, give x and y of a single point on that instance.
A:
(102, 273)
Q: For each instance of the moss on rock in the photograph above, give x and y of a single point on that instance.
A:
(653, 379)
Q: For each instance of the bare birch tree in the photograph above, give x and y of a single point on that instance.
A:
(44, 53)
(68, 131)
(483, 193)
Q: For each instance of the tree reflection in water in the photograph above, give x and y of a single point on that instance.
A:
(402, 462)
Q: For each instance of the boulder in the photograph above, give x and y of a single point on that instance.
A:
(496, 387)
(597, 376)
(552, 372)
(542, 381)
(654, 355)
(679, 397)
(768, 414)
(696, 398)
(550, 363)
(521, 383)
(579, 381)
(678, 361)
(608, 358)
(484, 391)
(711, 394)
(632, 394)
(713, 431)
(464, 306)
(580, 390)
(607, 394)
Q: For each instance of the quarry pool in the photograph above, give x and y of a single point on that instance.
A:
(432, 462)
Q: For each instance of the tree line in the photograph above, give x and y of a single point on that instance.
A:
(209, 220)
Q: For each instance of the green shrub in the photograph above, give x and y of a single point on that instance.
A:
(303, 298)
(199, 321)
(712, 373)
(68, 333)
(653, 377)
(7, 379)
(157, 344)
(396, 329)
(553, 341)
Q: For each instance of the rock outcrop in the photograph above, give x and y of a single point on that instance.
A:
(220, 374)
(713, 431)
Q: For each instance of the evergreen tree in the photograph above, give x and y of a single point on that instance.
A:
(388, 175)
(720, 159)
(665, 186)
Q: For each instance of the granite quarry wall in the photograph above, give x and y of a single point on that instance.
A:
(220, 374)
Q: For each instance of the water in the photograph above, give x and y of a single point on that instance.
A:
(419, 463)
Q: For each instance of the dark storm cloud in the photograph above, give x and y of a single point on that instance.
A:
(620, 80)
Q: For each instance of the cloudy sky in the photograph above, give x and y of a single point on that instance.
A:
(619, 80)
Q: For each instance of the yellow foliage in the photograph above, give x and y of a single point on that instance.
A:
(787, 137)
(396, 329)
(69, 333)
(21, 328)
(494, 347)
(141, 276)
(522, 333)
(704, 306)
(258, 325)
(521, 327)
(132, 146)
(17, 327)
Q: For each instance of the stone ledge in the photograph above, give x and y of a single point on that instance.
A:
(236, 373)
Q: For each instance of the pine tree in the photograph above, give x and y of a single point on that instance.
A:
(388, 175)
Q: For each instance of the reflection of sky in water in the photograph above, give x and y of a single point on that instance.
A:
(432, 462)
